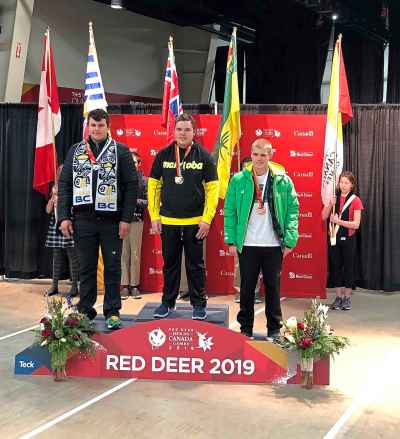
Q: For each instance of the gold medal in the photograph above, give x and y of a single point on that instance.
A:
(179, 179)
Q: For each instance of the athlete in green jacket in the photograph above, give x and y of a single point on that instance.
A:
(261, 226)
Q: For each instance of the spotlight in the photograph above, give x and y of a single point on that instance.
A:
(117, 4)
(335, 17)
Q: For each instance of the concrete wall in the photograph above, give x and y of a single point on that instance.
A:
(132, 49)
(7, 18)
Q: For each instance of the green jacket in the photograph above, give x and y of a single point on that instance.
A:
(240, 198)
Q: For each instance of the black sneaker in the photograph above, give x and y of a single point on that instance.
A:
(273, 335)
(247, 334)
(52, 292)
(346, 303)
(135, 293)
(199, 313)
(125, 293)
(337, 304)
(161, 312)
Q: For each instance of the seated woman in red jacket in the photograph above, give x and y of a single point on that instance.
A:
(344, 211)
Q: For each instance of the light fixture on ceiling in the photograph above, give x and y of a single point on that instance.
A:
(117, 4)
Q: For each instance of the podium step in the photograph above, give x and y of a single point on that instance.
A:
(216, 314)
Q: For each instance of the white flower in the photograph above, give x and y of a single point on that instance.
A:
(323, 309)
(44, 343)
(291, 323)
(63, 340)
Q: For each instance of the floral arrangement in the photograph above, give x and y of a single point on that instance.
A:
(312, 338)
(64, 331)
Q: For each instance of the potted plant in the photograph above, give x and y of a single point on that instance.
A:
(312, 338)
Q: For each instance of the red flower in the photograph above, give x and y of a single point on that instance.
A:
(306, 343)
(45, 321)
(300, 325)
(71, 322)
(46, 333)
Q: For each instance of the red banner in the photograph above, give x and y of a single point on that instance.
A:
(178, 350)
(298, 142)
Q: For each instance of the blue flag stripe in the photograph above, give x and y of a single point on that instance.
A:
(94, 85)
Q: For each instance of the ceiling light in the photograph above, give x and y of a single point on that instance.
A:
(335, 17)
(117, 4)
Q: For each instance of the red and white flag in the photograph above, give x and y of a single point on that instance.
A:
(49, 123)
(339, 113)
(172, 105)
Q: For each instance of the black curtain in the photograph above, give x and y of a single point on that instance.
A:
(372, 152)
(373, 155)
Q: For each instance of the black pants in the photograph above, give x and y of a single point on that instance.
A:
(341, 259)
(251, 261)
(174, 239)
(90, 233)
(58, 264)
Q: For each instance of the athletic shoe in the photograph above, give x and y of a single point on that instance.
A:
(337, 304)
(199, 313)
(135, 293)
(346, 303)
(52, 292)
(247, 334)
(114, 322)
(273, 335)
(161, 312)
(125, 293)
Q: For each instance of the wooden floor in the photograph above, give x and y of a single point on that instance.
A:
(361, 402)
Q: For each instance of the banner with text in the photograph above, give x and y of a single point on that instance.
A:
(298, 142)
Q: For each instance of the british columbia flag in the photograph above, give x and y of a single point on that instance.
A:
(172, 105)
(95, 96)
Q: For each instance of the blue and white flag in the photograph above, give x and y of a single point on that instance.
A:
(95, 96)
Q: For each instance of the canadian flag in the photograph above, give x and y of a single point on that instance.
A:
(49, 123)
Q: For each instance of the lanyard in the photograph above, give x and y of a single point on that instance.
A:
(258, 190)
(178, 160)
(92, 158)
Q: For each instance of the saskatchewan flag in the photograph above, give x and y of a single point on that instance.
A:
(229, 132)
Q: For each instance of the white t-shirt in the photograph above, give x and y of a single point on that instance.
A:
(260, 231)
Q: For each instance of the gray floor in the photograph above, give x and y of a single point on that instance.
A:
(361, 402)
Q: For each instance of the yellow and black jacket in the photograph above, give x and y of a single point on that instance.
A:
(192, 201)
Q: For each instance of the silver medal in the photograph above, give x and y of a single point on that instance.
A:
(178, 179)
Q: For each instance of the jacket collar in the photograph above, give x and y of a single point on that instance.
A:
(275, 168)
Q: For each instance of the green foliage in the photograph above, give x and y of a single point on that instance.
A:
(312, 337)
(64, 331)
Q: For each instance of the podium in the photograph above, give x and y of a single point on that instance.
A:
(177, 348)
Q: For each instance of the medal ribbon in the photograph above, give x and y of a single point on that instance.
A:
(178, 160)
(92, 158)
(258, 191)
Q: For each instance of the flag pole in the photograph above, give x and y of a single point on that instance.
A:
(48, 60)
(51, 89)
(332, 225)
(337, 118)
